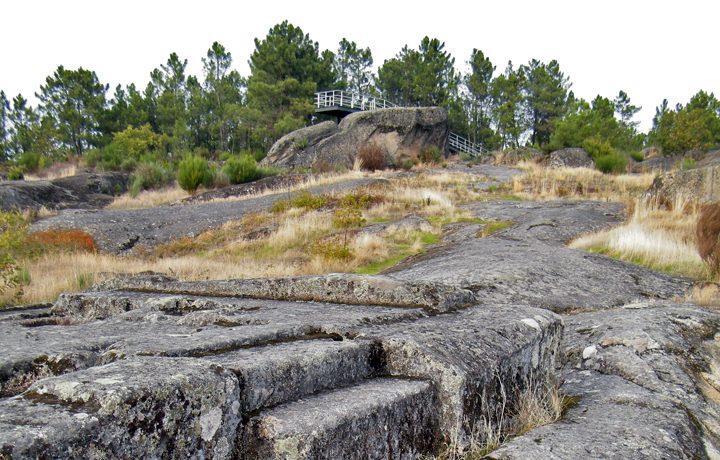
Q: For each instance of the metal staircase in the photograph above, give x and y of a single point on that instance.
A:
(340, 103)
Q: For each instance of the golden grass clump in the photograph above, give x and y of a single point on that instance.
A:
(538, 182)
(707, 233)
(149, 198)
(658, 238)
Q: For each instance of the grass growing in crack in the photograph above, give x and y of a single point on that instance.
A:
(537, 404)
(492, 227)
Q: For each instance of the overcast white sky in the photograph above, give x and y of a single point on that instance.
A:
(651, 49)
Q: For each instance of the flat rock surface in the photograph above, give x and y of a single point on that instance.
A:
(84, 191)
(120, 231)
(281, 357)
(530, 263)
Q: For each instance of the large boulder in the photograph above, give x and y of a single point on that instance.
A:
(711, 158)
(656, 163)
(289, 149)
(84, 190)
(681, 187)
(400, 132)
(570, 158)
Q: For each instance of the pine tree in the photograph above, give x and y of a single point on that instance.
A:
(353, 67)
(75, 101)
(545, 90)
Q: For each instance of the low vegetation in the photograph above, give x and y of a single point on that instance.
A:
(366, 231)
(661, 239)
(542, 183)
(521, 410)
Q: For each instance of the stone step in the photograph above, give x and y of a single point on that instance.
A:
(378, 418)
(282, 372)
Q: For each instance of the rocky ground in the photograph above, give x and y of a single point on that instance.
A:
(86, 190)
(392, 366)
(123, 230)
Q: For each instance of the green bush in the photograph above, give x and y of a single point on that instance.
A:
(614, 162)
(29, 161)
(149, 176)
(687, 163)
(637, 156)
(194, 171)
(303, 199)
(597, 148)
(241, 169)
(127, 148)
(15, 173)
(431, 154)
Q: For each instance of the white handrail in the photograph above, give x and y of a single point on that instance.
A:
(339, 98)
(352, 100)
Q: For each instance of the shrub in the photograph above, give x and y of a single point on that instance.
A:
(347, 218)
(302, 143)
(220, 179)
(128, 164)
(127, 146)
(431, 154)
(149, 176)
(687, 163)
(29, 161)
(194, 171)
(13, 233)
(371, 157)
(332, 251)
(612, 163)
(241, 169)
(358, 200)
(15, 173)
(70, 240)
(596, 147)
(321, 166)
(707, 232)
(637, 156)
(406, 164)
(304, 200)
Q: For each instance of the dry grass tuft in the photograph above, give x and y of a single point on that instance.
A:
(660, 239)
(707, 233)
(149, 198)
(542, 183)
(538, 404)
(371, 157)
(56, 171)
(706, 295)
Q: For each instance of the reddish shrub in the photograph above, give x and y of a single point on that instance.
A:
(371, 157)
(73, 240)
(708, 231)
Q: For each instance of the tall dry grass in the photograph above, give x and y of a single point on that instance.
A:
(659, 238)
(541, 183)
(149, 198)
(56, 171)
(296, 241)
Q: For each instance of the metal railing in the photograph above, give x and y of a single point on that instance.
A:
(462, 145)
(350, 100)
(338, 98)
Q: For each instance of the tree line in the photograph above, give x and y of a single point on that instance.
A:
(222, 112)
